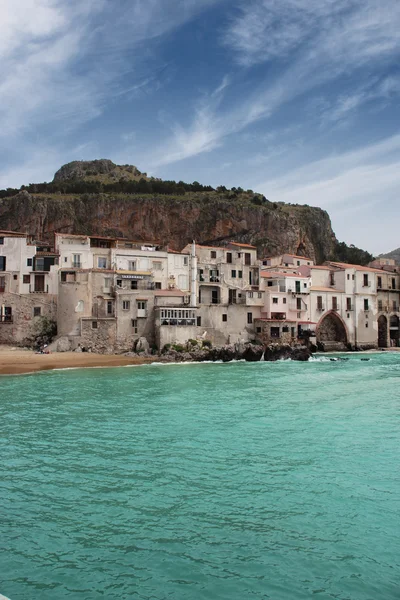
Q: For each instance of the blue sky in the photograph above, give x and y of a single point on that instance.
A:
(297, 99)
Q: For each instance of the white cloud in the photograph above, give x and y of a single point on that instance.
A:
(356, 187)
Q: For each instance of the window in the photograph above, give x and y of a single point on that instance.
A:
(247, 258)
(119, 283)
(29, 262)
(132, 265)
(240, 274)
(2, 263)
(366, 324)
(157, 265)
(107, 282)
(233, 273)
(229, 257)
(274, 300)
(284, 300)
(239, 254)
(214, 297)
(157, 285)
(15, 277)
(183, 281)
(37, 311)
(394, 305)
(185, 261)
(134, 325)
(348, 276)
(199, 296)
(76, 261)
(213, 254)
(366, 306)
(353, 277)
(249, 318)
(126, 304)
(250, 294)
(334, 303)
(109, 307)
(2, 284)
(259, 294)
(393, 283)
(275, 332)
(224, 318)
(94, 324)
(134, 284)
(141, 305)
(365, 280)
(232, 297)
(348, 303)
(39, 264)
(258, 329)
(380, 305)
(298, 263)
(65, 259)
(102, 262)
(319, 303)
(80, 306)
(304, 285)
(26, 278)
(198, 321)
(298, 303)
(379, 282)
(1, 241)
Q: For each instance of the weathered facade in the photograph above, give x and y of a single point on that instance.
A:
(28, 286)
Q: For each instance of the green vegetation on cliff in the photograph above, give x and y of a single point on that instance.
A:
(101, 198)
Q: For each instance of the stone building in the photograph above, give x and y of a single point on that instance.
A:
(230, 297)
(28, 285)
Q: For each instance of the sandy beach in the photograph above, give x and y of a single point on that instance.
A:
(15, 361)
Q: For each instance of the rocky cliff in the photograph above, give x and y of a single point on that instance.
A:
(211, 216)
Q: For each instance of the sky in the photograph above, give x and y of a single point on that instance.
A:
(296, 99)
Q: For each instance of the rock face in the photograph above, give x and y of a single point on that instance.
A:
(83, 170)
(173, 221)
(249, 353)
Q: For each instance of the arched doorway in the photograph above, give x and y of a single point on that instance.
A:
(331, 332)
(382, 332)
(394, 330)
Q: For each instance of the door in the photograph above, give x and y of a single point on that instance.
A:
(39, 283)
(298, 289)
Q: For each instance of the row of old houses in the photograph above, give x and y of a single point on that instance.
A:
(105, 293)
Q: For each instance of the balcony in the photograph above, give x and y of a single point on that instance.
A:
(6, 319)
(76, 265)
(321, 308)
(36, 290)
(366, 284)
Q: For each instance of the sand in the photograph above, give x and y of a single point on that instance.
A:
(14, 361)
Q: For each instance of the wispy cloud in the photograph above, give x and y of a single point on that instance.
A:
(325, 41)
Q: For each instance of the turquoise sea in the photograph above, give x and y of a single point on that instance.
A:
(202, 481)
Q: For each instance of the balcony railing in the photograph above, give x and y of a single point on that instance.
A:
(321, 308)
(77, 265)
(179, 322)
(34, 290)
(6, 319)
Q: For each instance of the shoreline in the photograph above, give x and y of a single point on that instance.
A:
(15, 361)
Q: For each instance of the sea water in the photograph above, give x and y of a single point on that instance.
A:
(219, 481)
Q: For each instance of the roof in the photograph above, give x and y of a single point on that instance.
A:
(242, 245)
(294, 256)
(323, 267)
(340, 265)
(272, 274)
(177, 252)
(171, 293)
(6, 233)
(317, 288)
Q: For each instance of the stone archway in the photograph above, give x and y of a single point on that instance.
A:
(382, 332)
(332, 332)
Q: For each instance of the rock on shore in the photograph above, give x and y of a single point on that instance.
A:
(248, 352)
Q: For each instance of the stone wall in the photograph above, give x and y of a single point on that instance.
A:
(23, 322)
